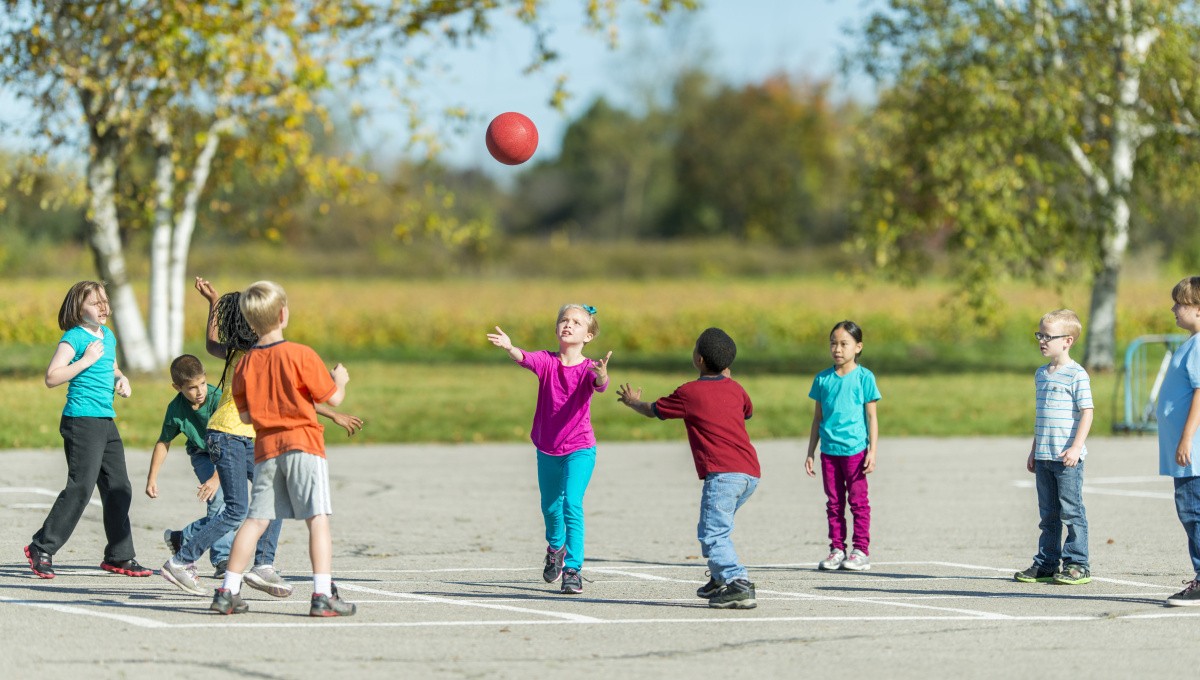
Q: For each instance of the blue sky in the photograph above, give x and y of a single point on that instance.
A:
(738, 40)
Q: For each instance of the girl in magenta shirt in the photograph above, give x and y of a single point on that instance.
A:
(562, 433)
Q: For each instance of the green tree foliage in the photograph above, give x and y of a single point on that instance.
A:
(765, 161)
(1017, 136)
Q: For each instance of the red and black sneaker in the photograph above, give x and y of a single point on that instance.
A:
(40, 562)
(129, 567)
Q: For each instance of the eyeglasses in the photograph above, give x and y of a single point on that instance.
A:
(1042, 337)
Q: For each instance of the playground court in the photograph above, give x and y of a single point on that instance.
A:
(441, 548)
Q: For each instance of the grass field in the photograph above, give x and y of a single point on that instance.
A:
(422, 370)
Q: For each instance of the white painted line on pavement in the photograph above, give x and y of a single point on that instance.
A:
(38, 491)
(576, 618)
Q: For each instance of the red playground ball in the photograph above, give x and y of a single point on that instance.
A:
(511, 138)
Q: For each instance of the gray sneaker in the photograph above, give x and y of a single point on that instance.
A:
(737, 594)
(834, 561)
(183, 576)
(857, 561)
(1188, 597)
(264, 577)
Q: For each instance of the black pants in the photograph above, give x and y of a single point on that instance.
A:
(95, 459)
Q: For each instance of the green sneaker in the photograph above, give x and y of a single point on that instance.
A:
(1073, 575)
(1034, 575)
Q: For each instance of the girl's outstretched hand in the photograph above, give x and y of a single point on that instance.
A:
(206, 289)
(500, 339)
(600, 369)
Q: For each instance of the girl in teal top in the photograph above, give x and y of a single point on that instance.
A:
(86, 359)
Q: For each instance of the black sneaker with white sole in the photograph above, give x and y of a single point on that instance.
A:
(737, 594)
(709, 589)
(1188, 597)
(572, 582)
(554, 563)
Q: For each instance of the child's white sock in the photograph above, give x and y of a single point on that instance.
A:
(233, 581)
(322, 584)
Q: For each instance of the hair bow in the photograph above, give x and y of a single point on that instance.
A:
(589, 309)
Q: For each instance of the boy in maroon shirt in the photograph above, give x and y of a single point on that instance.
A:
(714, 409)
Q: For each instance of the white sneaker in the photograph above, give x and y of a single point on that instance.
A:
(183, 576)
(835, 559)
(264, 577)
(857, 561)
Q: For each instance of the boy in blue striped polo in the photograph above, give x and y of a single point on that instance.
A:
(1064, 417)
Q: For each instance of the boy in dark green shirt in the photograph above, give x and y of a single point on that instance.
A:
(188, 414)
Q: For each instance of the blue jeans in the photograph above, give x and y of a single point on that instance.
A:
(203, 467)
(562, 481)
(723, 494)
(233, 458)
(1060, 503)
(1187, 506)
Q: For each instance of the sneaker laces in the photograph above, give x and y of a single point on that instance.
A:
(1191, 585)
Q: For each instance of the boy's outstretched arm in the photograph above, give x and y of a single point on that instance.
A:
(351, 424)
(633, 399)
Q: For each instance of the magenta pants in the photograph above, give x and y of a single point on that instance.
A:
(844, 478)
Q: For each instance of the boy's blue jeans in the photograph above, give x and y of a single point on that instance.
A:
(1060, 503)
(1187, 506)
(233, 458)
(203, 467)
(562, 481)
(723, 494)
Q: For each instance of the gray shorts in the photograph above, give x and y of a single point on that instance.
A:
(292, 486)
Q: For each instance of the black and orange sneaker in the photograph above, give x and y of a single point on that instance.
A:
(331, 605)
(228, 602)
(129, 567)
(40, 562)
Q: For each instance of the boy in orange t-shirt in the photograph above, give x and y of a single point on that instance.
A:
(275, 387)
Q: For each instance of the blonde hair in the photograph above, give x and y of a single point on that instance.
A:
(70, 314)
(1187, 291)
(261, 304)
(1069, 320)
(593, 325)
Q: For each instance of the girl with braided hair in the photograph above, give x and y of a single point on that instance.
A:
(230, 445)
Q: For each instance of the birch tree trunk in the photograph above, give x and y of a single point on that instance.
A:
(105, 238)
(160, 242)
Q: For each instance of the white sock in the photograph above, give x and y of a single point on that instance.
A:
(322, 584)
(233, 582)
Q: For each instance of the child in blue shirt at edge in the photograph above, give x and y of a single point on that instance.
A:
(846, 424)
(188, 414)
(1064, 418)
(1178, 424)
(86, 358)
(714, 408)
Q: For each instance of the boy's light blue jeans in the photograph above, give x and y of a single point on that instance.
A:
(1187, 506)
(233, 458)
(562, 481)
(1060, 503)
(723, 494)
(203, 467)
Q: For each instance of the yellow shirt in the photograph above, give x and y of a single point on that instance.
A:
(225, 418)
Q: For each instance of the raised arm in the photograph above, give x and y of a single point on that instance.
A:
(633, 399)
(501, 340)
(212, 342)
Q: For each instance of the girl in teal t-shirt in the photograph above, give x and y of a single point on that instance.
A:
(845, 424)
(86, 359)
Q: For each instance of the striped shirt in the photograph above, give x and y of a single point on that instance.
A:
(1061, 397)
